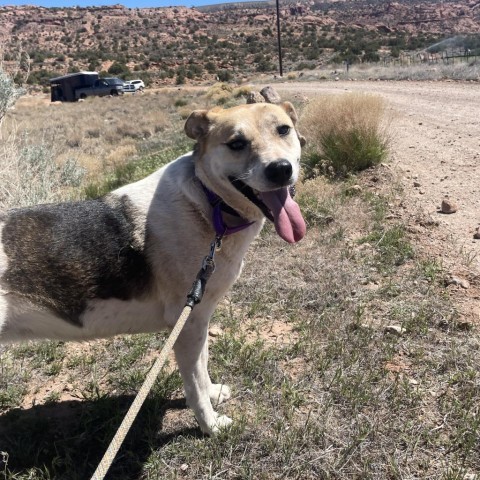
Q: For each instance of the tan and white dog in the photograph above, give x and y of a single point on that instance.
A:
(123, 263)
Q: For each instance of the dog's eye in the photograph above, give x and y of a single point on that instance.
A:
(237, 145)
(283, 130)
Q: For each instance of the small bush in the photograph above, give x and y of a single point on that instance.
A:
(242, 91)
(30, 175)
(224, 76)
(220, 93)
(181, 102)
(8, 93)
(346, 133)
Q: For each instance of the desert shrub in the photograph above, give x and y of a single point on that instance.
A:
(224, 75)
(28, 172)
(345, 133)
(242, 91)
(9, 93)
(220, 93)
(181, 102)
(118, 68)
(30, 175)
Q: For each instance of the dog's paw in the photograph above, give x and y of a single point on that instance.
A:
(220, 422)
(219, 393)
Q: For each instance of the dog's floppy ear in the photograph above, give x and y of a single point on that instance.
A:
(290, 109)
(196, 125)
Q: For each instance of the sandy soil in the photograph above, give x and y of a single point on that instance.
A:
(436, 150)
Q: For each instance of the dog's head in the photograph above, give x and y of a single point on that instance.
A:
(249, 155)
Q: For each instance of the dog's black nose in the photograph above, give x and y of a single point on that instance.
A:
(279, 172)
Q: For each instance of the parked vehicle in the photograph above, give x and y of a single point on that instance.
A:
(64, 88)
(132, 86)
(75, 86)
(101, 87)
(129, 88)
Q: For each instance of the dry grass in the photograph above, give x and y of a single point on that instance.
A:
(98, 131)
(30, 174)
(346, 132)
(461, 71)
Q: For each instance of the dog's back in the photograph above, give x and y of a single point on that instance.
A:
(53, 254)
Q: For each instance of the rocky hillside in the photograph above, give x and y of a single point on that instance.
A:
(168, 45)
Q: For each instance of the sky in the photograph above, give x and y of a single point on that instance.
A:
(126, 3)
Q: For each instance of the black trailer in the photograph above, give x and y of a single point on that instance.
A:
(63, 88)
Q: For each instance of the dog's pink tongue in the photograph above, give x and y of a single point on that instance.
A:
(289, 222)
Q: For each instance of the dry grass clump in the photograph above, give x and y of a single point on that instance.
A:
(346, 133)
(242, 91)
(220, 93)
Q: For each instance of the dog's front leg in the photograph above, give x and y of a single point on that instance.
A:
(218, 392)
(191, 351)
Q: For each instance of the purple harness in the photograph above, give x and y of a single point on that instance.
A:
(218, 205)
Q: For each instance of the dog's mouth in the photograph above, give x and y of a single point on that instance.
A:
(279, 207)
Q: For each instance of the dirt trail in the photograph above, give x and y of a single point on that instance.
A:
(436, 146)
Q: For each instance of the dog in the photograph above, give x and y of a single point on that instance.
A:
(124, 263)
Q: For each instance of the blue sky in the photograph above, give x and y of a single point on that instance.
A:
(126, 3)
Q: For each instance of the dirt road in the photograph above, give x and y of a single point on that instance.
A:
(436, 152)
(436, 146)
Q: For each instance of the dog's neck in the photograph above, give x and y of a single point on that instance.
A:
(219, 208)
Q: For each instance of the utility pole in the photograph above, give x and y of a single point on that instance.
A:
(279, 40)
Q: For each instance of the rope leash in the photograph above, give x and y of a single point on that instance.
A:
(193, 298)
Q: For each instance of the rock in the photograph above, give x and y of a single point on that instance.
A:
(255, 97)
(448, 206)
(461, 282)
(215, 331)
(183, 467)
(270, 95)
(476, 235)
(416, 184)
(395, 329)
